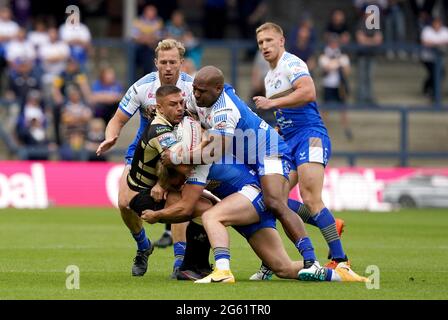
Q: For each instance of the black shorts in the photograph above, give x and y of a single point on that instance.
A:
(143, 201)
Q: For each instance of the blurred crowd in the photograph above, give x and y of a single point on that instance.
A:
(62, 104)
(57, 107)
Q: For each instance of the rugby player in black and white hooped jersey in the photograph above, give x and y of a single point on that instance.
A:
(141, 97)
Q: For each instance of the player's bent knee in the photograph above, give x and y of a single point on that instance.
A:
(206, 218)
(123, 205)
(275, 206)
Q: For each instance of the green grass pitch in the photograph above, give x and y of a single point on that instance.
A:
(409, 247)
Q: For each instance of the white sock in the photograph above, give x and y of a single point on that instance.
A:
(223, 264)
(335, 276)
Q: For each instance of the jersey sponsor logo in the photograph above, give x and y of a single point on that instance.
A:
(220, 280)
(221, 125)
(151, 95)
(160, 130)
(166, 140)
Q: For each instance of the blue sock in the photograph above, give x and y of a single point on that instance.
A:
(179, 253)
(306, 249)
(221, 253)
(142, 240)
(302, 211)
(329, 274)
(327, 225)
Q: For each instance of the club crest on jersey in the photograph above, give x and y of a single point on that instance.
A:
(278, 84)
(221, 125)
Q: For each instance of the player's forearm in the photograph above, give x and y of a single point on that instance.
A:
(115, 125)
(175, 213)
(113, 129)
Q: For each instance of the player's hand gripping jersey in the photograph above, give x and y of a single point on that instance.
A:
(254, 141)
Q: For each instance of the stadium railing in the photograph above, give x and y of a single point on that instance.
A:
(403, 153)
(235, 46)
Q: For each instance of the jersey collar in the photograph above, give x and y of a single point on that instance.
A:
(162, 120)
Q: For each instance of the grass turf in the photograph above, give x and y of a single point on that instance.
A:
(409, 247)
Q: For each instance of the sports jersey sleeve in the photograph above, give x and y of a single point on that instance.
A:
(225, 121)
(295, 68)
(130, 102)
(166, 140)
(199, 175)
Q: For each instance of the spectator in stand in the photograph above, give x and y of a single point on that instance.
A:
(395, 27)
(8, 31)
(251, 14)
(189, 67)
(433, 37)
(75, 119)
(338, 26)
(368, 39)
(177, 29)
(301, 41)
(78, 37)
(146, 33)
(20, 50)
(214, 19)
(95, 135)
(422, 10)
(39, 35)
(72, 76)
(106, 94)
(21, 81)
(165, 8)
(22, 12)
(53, 56)
(361, 5)
(336, 68)
(32, 130)
(95, 15)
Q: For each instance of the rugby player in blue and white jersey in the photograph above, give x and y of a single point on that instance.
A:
(291, 93)
(141, 97)
(243, 208)
(238, 132)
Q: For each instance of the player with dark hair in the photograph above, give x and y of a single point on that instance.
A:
(141, 97)
(231, 123)
(142, 177)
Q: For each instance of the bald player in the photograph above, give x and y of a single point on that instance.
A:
(238, 135)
